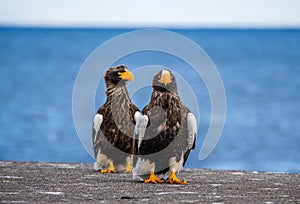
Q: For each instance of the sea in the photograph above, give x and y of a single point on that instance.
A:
(259, 69)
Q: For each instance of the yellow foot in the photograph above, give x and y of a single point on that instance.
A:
(173, 179)
(128, 168)
(153, 179)
(110, 169)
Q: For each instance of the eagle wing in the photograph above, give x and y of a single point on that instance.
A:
(98, 119)
(191, 135)
(191, 130)
(97, 122)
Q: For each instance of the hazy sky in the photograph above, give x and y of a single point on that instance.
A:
(151, 13)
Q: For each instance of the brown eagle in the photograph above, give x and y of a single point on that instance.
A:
(113, 126)
(165, 133)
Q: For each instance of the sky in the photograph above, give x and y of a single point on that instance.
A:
(154, 13)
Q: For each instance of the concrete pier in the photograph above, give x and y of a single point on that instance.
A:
(65, 182)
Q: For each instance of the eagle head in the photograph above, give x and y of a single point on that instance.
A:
(164, 80)
(118, 75)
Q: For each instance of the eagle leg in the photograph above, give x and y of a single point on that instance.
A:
(128, 168)
(173, 179)
(110, 169)
(153, 179)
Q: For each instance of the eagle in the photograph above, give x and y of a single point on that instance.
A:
(165, 133)
(114, 123)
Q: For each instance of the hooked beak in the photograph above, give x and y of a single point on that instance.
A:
(165, 78)
(127, 75)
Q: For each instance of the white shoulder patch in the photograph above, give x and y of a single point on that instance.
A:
(192, 129)
(136, 116)
(97, 124)
(140, 128)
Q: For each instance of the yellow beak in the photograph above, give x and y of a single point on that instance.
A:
(127, 75)
(165, 78)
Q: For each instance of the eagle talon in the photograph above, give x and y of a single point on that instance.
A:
(128, 169)
(153, 179)
(174, 180)
(107, 171)
(110, 169)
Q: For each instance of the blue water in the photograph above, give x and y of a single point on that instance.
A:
(260, 71)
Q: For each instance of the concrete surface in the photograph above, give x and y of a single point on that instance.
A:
(73, 183)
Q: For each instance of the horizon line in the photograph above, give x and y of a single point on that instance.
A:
(149, 26)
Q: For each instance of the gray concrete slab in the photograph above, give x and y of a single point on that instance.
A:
(64, 182)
